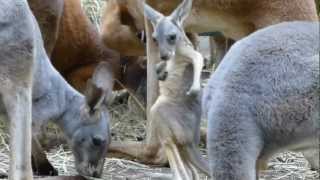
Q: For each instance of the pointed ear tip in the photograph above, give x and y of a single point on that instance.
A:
(146, 8)
(145, 4)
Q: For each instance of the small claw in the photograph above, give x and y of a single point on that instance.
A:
(161, 72)
(160, 66)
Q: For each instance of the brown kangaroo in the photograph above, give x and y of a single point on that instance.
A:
(123, 22)
(76, 48)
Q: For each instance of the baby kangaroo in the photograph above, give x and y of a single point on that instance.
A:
(176, 113)
(175, 116)
(264, 99)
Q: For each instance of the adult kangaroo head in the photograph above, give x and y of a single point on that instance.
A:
(168, 30)
(89, 142)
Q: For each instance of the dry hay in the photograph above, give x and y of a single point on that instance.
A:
(128, 122)
(128, 125)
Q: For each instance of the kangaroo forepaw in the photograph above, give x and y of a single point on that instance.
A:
(44, 170)
(162, 76)
(161, 71)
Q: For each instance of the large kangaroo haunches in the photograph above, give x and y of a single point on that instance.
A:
(264, 99)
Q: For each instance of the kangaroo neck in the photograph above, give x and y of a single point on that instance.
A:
(53, 99)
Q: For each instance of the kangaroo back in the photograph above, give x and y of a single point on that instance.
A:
(263, 99)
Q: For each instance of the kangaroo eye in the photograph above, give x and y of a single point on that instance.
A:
(172, 37)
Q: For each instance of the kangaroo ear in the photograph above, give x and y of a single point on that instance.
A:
(181, 12)
(103, 78)
(151, 14)
(94, 96)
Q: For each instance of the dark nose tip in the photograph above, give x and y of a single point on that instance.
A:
(95, 175)
(164, 57)
(98, 141)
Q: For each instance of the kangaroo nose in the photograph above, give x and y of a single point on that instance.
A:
(165, 57)
(95, 175)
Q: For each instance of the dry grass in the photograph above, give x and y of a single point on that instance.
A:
(129, 125)
(128, 121)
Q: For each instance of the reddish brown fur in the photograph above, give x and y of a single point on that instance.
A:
(48, 14)
(122, 21)
(234, 18)
(77, 49)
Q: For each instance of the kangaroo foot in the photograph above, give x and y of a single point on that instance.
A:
(43, 169)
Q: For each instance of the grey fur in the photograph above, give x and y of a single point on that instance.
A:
(168, 30)
(176, 119)
(172, 40)
(175, 116)
(82, 121)
(152, 14)
(263, 99)
(180, 14)
(16, 65)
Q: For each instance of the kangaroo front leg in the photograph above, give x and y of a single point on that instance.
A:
(18, 105)
(40, 163)
(197, 62)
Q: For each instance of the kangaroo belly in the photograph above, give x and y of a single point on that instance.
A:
(179, 121)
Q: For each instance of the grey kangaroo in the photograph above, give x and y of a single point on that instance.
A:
(176, 114)
(32, 89)
(173, 42)
(263, 99)
(17, 59)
